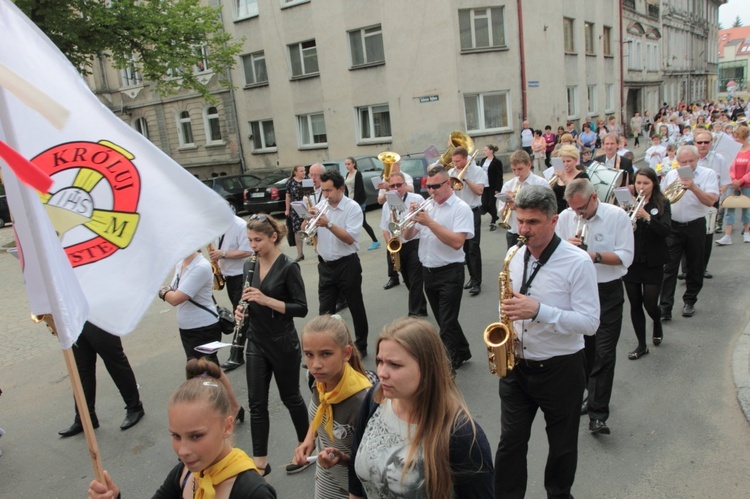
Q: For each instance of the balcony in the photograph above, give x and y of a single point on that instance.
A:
(629, 4)
(653, 11)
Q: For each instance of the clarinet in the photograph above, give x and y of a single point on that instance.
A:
(239, 325)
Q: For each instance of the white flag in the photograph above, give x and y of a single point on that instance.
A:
(125, 213)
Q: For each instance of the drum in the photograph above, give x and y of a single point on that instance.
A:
(605, 181)
(711, 220)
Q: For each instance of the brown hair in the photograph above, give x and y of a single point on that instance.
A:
(520, 156)
(266, 224)
(203, 384)
(741, 132)
(335, 328)
(438, 405)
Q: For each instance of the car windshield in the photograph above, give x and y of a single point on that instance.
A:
(413, 166)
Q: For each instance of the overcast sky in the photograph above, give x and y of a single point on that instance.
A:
(733, 8)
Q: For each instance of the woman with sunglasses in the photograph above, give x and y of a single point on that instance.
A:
(275, 296)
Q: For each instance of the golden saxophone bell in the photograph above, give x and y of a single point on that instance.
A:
(394, 247)
(388, 158)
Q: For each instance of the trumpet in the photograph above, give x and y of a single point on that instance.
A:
(406, 223)
(505, 214)
(312, 225)
(219, 281)
(635, 208)
(553, 179)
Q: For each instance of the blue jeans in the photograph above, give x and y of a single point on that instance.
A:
(729, 212)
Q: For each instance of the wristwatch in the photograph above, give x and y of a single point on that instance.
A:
(329, 224)
(597, 257)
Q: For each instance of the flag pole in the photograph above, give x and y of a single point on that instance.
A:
(83, 411)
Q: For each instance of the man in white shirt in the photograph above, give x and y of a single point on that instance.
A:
(688, 234)
(520, 164)
(339, 268)
(610, 246)
(474, 182)
(393, 281)
(408, 255)
(230, 251)
(527, 137)
(552, 311)
(612, 160)
(442, 233)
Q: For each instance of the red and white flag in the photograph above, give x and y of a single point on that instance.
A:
(124, 212)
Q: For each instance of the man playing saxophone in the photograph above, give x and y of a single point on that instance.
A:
(551, 313)
(408, 255)
(520, 164)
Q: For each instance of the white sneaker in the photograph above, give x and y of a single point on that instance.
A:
(746, 237)
(724, 241)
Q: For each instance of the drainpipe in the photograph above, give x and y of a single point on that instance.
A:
(522, 55)
(622, 73)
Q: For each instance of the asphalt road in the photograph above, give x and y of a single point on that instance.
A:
(677, 429)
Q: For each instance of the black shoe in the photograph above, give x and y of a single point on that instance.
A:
(657, 340)
(341, 305)
(266, 470)
(77, 427)
(291, 469)
(392, 283)
(469, 284)
(585, 406)
(475, 289)
(681, 276)
(240, 416)
(666, 315)
(598, 426)
(707, 275)
(231, 365)
(493, 227)
(688, 310)
(637, 354)
(132, 418)
(299, 258)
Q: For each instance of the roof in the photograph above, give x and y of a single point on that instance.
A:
(735, 36)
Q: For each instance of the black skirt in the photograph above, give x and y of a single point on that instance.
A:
(641, 273)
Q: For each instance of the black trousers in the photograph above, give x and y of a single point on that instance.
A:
(688, 239)
(548, 158)
(392, 274)
(411, 271)
(234, 289)
(444, 289)
(472, 250)
(344, 276)
(95, 341)
(556, 387)
(197, 336)
(283, 363)
(489, 203)
(511, 238)
(601, 349)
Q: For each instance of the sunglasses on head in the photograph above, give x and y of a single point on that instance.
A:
(262, 218)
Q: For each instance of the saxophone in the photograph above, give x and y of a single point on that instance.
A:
(394, 244)
(219, 281)
(500, 337)
(238, 339)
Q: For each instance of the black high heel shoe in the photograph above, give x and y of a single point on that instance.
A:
(266, 470)
(240, 415)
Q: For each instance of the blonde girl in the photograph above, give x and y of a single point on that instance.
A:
(340, 387)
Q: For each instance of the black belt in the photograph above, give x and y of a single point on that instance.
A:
(334, 262)
(476, 209)
(701, 220)
(444, 267)
(552, 361)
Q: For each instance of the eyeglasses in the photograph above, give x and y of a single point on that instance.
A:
(702, 142)
(262, 218)
(585, 207)
(395, 186)
(436, 186)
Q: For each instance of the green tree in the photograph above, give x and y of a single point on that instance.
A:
(161, 37)
(737, 22)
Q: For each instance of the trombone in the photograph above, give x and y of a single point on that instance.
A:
(457, 182)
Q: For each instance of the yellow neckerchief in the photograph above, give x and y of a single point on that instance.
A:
(351, 382)
(233, 464)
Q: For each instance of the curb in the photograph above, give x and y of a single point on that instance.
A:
(741, 370)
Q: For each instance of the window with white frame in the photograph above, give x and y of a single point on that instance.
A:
(263, 136)
(255, 68)
(481, 28)
(366, 45)
(130, 75)
(202, 66)
(185, 129)
(609, 96)
(312, 130)
(212, 124)
(292, 3)
(607, 40)
(244, 9)
(569, 34)
(304, 58)
(572, 101)
(634, 55)
(588, 37)
(374, 122)
(487, 112)
(591, 96)
(141, 126)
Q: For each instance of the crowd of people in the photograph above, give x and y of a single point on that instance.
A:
(405, 429)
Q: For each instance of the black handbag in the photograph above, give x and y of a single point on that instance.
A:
(225, 316)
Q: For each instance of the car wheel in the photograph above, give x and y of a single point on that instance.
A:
(2, 223)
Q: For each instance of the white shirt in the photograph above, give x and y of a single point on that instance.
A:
(609, 231)
(476, 175)
(512, 186)
(717, 163)
(197, 282)
(654, 155)
(407, 178)
(688, 208)
(234, 239)
(348, 215)
(454, 215)
(527, 137)
(386, 217)
(566, 290)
